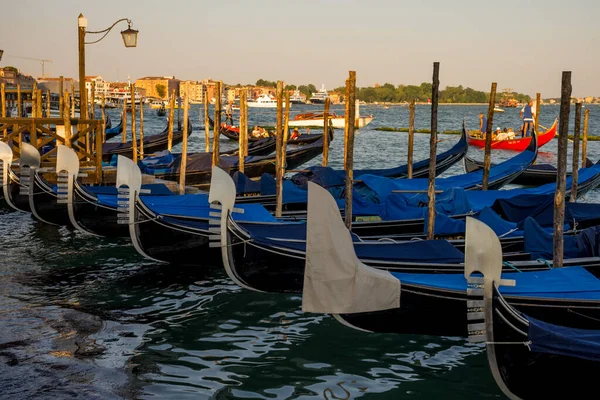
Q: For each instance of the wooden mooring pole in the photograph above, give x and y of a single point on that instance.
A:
(103, 110)
(171, 121)
(141, 131)
(133, 126)
(207, 123)
(347, 110)
(433, 151)
(561, 174)
(217, 128)
(93, 101)
(61, 89)
(286, 133)
(538, 102)
(19, 101)
(411, 137)
(326, 132)
(487, 157)
(278, 150)
(586, 116)
(575, 165)
(3, 98)
(184, 143)
(349, 145)
(243, 130)
(124, 134)
(67, 118)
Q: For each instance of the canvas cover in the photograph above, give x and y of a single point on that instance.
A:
(571, 342)
(335, 281)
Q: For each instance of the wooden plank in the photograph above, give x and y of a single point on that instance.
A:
(561, 174)
(487, 157)
(433, 151)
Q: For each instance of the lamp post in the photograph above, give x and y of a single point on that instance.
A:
(1, 52)
(129, 39)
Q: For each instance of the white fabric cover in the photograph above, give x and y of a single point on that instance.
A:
(335, 281)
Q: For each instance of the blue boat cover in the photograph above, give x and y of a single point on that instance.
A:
(384, 186)
(501, 227)
(556, 283)
(244, 185)
(540, 243)
(571, 342)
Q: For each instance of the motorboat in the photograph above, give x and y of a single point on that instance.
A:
(264, 101)
(320, 96)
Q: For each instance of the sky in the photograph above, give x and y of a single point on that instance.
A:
(524, 45)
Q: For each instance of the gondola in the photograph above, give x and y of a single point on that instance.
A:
(112, 132)
(532, 359)
(535, 175)
(433, 304)
(233, 133)
(198, 171)
(270, 256)
(152, 143)
(93, 209)
(517, 144)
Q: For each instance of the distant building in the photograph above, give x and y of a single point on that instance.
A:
(150, 83)
(196, 90)
(11, 76)
(102, 87)
(53, 84)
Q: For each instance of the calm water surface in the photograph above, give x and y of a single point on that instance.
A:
(84, 317)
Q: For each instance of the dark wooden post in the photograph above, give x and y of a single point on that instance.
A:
(217, 128)
(487, 158)
(586, 116)
(575, 167)
(82, 90)
(411, 136)
(207, 123)
(349, 148)
(33, 104)
(141, 129)
(243, 130)
(347, 110)
(133, 126)
(538, 102)
(286, 127)
(103, 110)
(93, 101)
(19, 101)
(183, 164)
(171, 121)
(561, 175)
(39, 103)
(124, 134)
(278, 150)
(3, 98)
(326, 132)
(433, 151)
(61, 89)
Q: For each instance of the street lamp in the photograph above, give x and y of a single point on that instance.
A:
(129, 39)
(1, 52)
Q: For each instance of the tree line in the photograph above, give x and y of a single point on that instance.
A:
(404, 93)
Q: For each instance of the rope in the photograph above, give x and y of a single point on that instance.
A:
(550, 266)
(507, 233)
(508, 264)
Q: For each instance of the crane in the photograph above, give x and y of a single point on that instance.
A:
(34, 59)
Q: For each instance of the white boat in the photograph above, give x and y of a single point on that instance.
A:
(320, 96)
(297, 98)
(337, 121)
(265, 101)
(498, 109)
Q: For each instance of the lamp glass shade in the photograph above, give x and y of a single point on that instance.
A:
(130, 37)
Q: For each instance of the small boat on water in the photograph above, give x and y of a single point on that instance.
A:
(265, 101)
(162, 111)
(337, 121)
(517, 144)
(498, 110)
